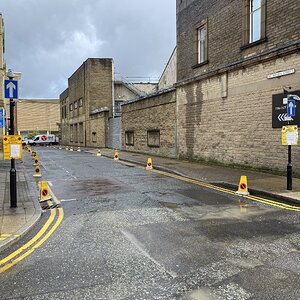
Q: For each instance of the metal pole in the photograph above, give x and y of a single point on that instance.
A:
(289, 169)
(13, 172)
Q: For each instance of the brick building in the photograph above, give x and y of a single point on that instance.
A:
(233, 58)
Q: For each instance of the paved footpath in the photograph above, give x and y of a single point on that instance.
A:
(15, 222)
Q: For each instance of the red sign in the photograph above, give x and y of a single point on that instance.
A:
(43, 138)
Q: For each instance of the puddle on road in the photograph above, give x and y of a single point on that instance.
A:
(199, 294)
(241, 210)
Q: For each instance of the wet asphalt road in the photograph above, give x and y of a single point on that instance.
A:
(129, 234)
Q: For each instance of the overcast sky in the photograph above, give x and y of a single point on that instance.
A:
(47, 40)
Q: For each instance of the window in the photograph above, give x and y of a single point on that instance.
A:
(80, 101)
(71, 106)
(201, 44)
(71, 133)
(254, 22)
(75, 105)
(129, 138)
(153, 138)
(94, 137)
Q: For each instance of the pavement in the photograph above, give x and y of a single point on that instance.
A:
(15, 222)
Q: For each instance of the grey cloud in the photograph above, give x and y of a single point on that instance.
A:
(48, 40)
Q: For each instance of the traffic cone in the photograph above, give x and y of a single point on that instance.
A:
(36, 161)
(78, 149)
(243, 186)
(116, 157)
(37, 171)
(149, 164)
(60, 148)
(33, 153)
(44, 191)
(99, 153)
(71, 148)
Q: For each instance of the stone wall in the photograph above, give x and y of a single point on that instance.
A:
(236, 128)
(149, 125)
(97, 134)
(224, 19)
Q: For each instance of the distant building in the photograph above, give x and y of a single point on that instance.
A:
(37, 116)
(91, 105)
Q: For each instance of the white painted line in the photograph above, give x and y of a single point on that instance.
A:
(50, 183)
(67, 200)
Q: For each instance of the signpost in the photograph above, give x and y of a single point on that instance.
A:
(290, 136)
(11, 93)
(2, 123)
(280, 112)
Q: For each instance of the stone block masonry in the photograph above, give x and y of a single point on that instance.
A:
(149, 125)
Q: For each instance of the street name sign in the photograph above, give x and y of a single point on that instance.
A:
(2, 124)
(280, 112)
(11, 89)
(12, 147)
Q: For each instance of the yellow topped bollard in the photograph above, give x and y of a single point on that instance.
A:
(36, 160)
(98, 153)
(44, 191)
(116, 157)
(149, 164)
(71, 148)
(37, 171)
(243, 186)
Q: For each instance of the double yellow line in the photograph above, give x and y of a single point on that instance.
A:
(27, 249)
(227, 191)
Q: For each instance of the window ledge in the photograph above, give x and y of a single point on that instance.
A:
(263, 40)
(200, 65)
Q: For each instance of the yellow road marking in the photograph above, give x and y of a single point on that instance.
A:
(32, 241)
(38, 244)
(224, 190)
(6, 234)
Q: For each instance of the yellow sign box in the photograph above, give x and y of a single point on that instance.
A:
(289, 135)
(12, 147)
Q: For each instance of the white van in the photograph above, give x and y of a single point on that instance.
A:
(44, 139)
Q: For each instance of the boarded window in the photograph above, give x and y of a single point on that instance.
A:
(94, 137)
(81, 133)
(153, 138)
(129, 138)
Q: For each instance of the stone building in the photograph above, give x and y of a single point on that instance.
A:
(91, 105)
(2, 71)
(37, 115)
(149, 122)
(234, 58)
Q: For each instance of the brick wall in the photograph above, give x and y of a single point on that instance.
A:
(97, 133)
(150, 114)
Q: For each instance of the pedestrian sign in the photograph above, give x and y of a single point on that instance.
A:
(11, 89)
(291, 107)
(12, 147)
(289, 135)
(2, 124)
